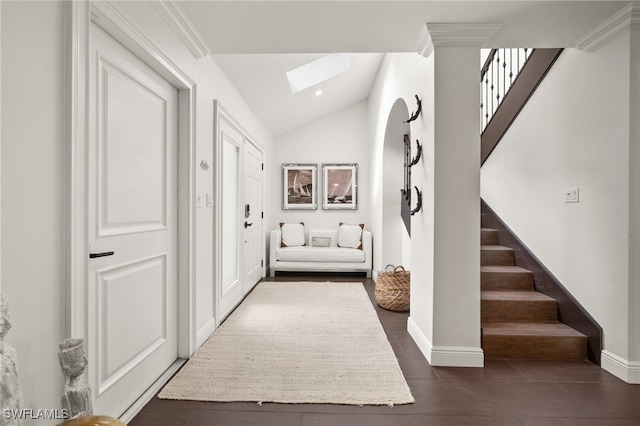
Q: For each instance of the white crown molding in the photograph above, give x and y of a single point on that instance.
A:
(178, 21)
(454, 35)
(626, 19)
(424, 46)
(461, 35)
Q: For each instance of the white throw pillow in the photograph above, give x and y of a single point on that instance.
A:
(292, 234)
(350, 235)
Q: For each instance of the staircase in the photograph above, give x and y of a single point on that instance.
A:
(517, 321)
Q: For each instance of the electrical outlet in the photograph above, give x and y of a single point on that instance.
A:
(572, 195)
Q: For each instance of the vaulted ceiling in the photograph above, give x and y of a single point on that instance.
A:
(256, 42)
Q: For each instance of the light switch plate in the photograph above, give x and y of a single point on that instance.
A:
(572, 195)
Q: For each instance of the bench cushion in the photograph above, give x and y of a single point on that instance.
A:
(319, 254)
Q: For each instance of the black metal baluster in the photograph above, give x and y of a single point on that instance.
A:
(493, 78)
(486, 97)
(510, 67)
(497, 81)
(492, 87)
(504, 72)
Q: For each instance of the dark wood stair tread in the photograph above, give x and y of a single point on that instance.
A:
(504, 269)
(496, 255)
(555, 329)
(488, 236)
(495, 248)
(540, 340)
(515, 295)
(517, 306)
(505, 277)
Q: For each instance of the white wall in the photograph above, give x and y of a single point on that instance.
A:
(634, 208)
(402, 76)
(341, 137)
(33, 148)
(32, 177)
(575, 132)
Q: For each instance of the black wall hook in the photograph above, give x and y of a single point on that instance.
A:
(418, 155)
(418, 203)
(417, 113)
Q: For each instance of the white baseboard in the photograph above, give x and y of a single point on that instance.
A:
(421, 340)
(454, 356)
(445, 356)
(374, 275)
(205, 332)
(621, 368)
(139, 404)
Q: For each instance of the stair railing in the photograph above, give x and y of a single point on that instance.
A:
(500, 70)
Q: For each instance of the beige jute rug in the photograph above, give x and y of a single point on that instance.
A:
(296, 342)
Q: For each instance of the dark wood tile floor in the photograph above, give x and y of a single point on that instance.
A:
(505, 392)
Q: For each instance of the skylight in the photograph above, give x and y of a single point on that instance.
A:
(318, 71)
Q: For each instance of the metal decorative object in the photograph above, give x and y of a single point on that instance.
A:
(418, 203)
(77, 393)
(10, 392)
(417, 113)
(418, 156)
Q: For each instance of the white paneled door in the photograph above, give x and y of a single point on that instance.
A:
(230, 222)
(253, 212)
(132, 225)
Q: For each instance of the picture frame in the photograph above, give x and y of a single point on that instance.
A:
(299, 186)
(340, 186)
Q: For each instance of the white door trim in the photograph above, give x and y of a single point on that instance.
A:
(106, 15)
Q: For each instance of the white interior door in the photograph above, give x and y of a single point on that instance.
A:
(253, 253)
(230, 186)
(132, 225)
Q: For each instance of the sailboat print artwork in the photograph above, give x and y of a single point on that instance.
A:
(299, 186)
(340, 186)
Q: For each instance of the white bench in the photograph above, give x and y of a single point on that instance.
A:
(319, 259)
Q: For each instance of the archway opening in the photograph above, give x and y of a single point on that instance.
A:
(396, 243)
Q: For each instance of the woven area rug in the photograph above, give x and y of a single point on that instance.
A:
(296, 342)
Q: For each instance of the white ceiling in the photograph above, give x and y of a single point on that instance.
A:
(262, 82)
(256, 42)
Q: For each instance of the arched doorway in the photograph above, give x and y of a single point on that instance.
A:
(396, 244)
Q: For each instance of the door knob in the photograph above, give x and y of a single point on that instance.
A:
(247, 224)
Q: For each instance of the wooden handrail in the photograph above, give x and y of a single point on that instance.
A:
(538, 64)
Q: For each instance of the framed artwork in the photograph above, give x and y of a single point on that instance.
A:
(299, 189)
(340, 183)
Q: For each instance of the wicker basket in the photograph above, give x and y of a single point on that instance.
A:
(392, 288)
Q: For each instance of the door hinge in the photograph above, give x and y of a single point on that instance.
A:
(262, 215)
(262, 263)
(262, 166)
